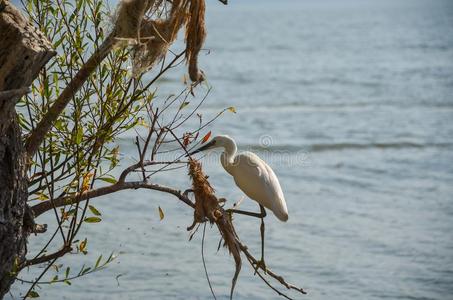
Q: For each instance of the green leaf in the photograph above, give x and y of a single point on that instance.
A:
(33, 294)
(55, 82)
(93, 220)
(15, 266)
(67, 271)
(71, 212)
(43, 197)
(184, 104)
(111, 257)
(79, 135)
(79, 4)
(58, 43)
(108, 179)
(98, 261)
(94, 210)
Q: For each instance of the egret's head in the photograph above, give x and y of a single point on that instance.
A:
(219, 141)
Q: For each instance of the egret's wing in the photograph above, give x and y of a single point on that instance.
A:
(258, 181)
(279, 203)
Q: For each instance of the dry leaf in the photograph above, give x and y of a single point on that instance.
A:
(86, 181)
(161, 214)
(83, 245)
(206, 137)
(186, 139)
(232, 109)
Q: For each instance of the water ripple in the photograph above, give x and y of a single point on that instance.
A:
(322, 147)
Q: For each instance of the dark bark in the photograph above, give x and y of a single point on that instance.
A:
(23, 52)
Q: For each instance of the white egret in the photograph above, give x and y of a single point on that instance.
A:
(254, 177)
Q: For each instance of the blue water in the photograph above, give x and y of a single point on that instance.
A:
(351, 103)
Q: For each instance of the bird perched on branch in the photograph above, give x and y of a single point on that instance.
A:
(255, 178)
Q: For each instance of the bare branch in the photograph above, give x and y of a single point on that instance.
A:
(150, 132)
(279, 278)
(49, 257)
(13, 94)
(75, 198)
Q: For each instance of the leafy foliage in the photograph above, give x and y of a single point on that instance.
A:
(80, 150)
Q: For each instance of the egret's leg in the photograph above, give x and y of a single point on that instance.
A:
(261, 264)
(246, 213)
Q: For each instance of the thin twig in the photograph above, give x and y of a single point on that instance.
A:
(204, 262)
(269, 272)
(137, 142)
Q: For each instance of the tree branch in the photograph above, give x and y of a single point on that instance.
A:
(279, 278)
(48, 257)
(42, 207)
(13, 94)
(24, 50)
(38, 134)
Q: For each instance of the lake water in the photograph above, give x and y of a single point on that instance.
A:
(351, 103)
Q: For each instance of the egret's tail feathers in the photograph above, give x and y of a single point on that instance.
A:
(282, 216)
(281, 211)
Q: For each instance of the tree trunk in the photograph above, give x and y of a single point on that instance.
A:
(23, 52)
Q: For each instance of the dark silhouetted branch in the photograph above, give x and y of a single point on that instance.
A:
(42, 207)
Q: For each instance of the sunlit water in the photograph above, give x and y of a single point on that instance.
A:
(351, 102)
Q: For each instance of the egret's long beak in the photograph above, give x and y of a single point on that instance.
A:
(202, 148)
(224, 1)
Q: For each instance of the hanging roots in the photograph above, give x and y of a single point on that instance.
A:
(195, 36)
(158, 35)
(151, 38)
(207, 207)
(129, 17)
(206, 204)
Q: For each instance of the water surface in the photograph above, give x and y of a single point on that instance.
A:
(351, 102)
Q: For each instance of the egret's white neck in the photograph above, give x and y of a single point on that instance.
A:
(229, 147)
(230, 150)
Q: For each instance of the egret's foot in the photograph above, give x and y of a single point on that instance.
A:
(230, 214)
(260, 265)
